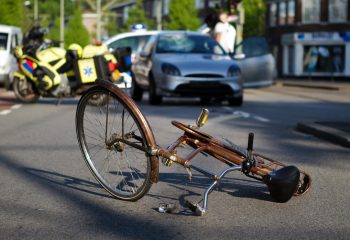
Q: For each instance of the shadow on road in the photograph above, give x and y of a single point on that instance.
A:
(102, 219)
(67, 181)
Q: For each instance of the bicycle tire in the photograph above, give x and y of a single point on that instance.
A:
(124, 171)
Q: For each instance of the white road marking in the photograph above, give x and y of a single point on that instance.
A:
(229, 114)
(16, 106)
(261, 119)
(242, 114)
(5, 112)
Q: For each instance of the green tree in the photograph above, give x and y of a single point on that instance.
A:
(111, 26)
(182, 15)
(254, 24)
(54, 32)
(75, 32)
(11, 12)
(136, 14)
(51, 8)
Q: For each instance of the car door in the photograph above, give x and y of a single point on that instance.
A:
(258, 66)
(143, 63)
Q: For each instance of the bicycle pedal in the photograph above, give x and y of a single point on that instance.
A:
(198, 210)
(167, 207)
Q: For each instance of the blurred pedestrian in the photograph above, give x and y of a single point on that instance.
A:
(211, 20)
(225, 33)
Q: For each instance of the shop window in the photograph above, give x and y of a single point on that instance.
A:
(125, 14)
(311, 11)
(338, 11)
(324, 58)
(291, 12)
(199, 4)
(273, 13)
(154, 9)
(214, 3)
(291, 59)
(282, 9)
(166, 7)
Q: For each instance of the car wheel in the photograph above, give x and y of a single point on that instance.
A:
(154, 99)
(236, 101)
(136, 91)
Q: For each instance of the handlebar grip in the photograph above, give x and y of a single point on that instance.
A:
(250, 141)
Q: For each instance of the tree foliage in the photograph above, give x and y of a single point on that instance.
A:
(136, 14)
(54, 33)
(254, 11)
(182, 15)
(11, 12)
(75, 32)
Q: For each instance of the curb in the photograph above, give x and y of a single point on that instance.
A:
(327, 133)
(305, 85)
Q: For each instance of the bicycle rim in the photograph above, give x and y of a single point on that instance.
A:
(121, 169)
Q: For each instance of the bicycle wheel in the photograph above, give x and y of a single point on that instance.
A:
(123, 170)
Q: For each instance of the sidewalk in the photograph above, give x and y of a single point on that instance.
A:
(335, 131)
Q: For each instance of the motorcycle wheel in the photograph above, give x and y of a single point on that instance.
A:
(24, 91)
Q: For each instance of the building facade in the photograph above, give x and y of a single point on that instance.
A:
(150, 7)
(310, 38)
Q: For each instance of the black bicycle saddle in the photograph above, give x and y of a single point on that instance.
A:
(283, 183)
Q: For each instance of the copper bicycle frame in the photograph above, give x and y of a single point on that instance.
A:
(203, 143)
(206, 144)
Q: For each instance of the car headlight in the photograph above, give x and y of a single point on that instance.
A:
(170, 69)
(234, 71)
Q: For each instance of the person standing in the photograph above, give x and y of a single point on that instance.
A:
(225, 33)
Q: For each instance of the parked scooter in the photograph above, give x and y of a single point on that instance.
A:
(56, 72)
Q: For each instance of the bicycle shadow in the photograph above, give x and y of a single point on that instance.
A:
(241, 188)
(236, 187)
(68, 182)
(109, 221)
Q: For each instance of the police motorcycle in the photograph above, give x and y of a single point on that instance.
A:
(46, 71)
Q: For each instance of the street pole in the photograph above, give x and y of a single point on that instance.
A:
(36, 10)
(240, 23)
(98, 20)
(62, 24)
(159, 15)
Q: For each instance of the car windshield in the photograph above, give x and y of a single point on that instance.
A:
(3, 41)
(254, 46)
(135, 42)
(188, 44)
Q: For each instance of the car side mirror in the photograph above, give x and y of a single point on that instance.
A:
(239, 56)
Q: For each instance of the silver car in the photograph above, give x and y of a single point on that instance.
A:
(182, 63)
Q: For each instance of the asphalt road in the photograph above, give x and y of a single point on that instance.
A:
(47, 191)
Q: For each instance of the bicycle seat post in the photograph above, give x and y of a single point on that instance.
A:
(248, 163)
